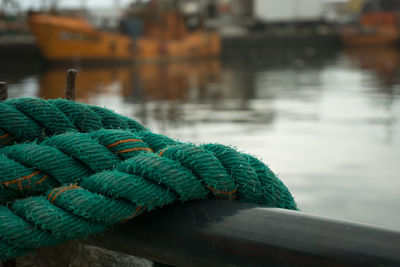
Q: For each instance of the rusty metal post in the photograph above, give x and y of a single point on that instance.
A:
(4, 96)
(3, 91)
(70, 84)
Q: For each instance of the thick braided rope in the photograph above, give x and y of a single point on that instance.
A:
(120, 174)
(67, 158)
(146, 180)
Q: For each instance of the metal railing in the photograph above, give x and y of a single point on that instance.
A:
(221, 232)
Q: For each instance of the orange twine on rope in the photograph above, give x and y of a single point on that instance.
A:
(64, 189)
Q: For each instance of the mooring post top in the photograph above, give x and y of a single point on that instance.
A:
(72, 71)
(70, 87)
(3, 91)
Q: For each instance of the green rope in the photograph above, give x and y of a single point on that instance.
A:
(87, 168)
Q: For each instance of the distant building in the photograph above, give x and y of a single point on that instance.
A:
(238, 16)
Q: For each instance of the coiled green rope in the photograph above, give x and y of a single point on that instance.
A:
(68, 170)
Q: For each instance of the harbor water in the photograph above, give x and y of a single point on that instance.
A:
(328, 123)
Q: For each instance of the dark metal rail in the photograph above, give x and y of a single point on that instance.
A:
(219, 232)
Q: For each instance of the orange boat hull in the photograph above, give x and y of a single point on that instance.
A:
(72, 38)
(376, 28)
(353, 36)
(66, 38)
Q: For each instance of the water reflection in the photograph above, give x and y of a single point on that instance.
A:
(384, 64)
(137, 82)
(89, 81)
(382, 61)
(174, 82)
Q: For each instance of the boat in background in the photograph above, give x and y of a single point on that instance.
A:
(150, 33)
(379, 25)
(65, 38)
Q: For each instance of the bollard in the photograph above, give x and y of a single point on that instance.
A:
(70, 84)
(3, 91)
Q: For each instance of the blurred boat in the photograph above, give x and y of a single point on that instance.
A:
(66, 38)
(379, 25)
(73, 38)
(370, 36)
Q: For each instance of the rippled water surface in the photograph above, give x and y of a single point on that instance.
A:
(326, 123)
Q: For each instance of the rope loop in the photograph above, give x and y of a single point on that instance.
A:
(69, 170)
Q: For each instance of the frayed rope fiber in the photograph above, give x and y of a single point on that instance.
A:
(69, 170)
